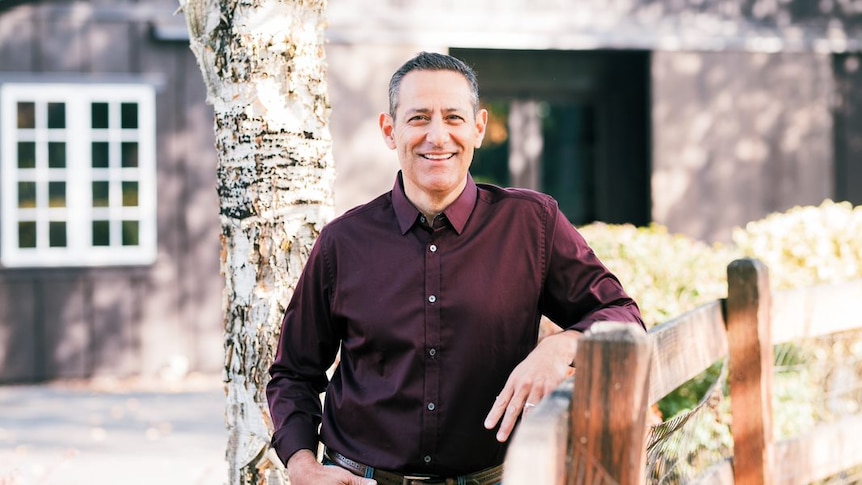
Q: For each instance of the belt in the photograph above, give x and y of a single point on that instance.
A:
(488, 476)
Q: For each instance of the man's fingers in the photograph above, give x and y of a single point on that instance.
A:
(498, 408)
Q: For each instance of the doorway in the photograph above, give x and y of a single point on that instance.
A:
(572, 124)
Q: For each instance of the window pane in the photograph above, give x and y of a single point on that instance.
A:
(26, 154)
(129, 113)
(56, 194)
(100, 194)
(99, 112)
(27, 234)
(130, 154)
(57, 234)
(26, 115)
(56, 115)
(26, 195)
(130, 194)
(101, 233)
(100, 154)
(130, 233)
(57, 154)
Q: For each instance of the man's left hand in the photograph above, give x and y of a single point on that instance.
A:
(548, 365)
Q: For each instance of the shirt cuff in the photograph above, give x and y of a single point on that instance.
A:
(290, 439)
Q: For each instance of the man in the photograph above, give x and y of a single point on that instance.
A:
(433, 293)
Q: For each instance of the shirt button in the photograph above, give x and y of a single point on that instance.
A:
(432, 298)
(433, 248)
(422, 218)
(431, 406)
(432, 352)
(427, 458)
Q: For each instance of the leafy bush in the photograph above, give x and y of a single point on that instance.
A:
(670, 274)
(806, 246)
(667, 274)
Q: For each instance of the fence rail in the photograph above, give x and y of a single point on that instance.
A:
(593, 428)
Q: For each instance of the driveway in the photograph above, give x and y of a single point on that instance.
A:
(109, 432)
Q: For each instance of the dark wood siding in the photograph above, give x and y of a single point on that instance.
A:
(74, 323)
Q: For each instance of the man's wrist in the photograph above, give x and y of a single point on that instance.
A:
(567, 343)
(301, 459)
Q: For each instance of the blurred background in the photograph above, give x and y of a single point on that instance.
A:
(656, 124)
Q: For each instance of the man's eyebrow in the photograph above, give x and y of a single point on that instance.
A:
(428, 110)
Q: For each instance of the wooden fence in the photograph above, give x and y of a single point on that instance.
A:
(593, 428)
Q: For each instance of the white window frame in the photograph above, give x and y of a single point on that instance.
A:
(78, 175)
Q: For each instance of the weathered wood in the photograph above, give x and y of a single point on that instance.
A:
(825, 451)
(751, 362)
(539, 448)
(63, 311)
(684, 347)
(816, 311)
(609, 406)
(114, 301)
(20, 355)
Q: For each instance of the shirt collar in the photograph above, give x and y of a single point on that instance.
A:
(458, 213)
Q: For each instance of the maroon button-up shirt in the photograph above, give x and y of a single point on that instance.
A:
(430, 321)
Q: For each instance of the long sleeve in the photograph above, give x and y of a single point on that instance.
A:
(579, 290)
(306, 349)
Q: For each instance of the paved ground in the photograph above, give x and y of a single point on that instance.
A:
(93, 433)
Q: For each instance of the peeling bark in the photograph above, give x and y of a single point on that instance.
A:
(264, 67)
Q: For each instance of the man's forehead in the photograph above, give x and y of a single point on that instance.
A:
(435, 90)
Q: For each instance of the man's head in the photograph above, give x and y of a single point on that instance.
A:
(432, 61)
(434, 125)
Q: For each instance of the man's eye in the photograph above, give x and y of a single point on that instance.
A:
(417, 118)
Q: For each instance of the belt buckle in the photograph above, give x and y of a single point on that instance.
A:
(409, 479)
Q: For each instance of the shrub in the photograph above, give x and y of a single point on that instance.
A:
(667, 274)
(806, 246)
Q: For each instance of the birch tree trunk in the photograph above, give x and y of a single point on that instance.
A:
(263, 64)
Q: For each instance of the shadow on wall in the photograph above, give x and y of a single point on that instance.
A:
(738, 136)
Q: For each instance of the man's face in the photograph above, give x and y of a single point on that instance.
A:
(434, 132)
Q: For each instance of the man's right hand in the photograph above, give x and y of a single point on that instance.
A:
(304, 469)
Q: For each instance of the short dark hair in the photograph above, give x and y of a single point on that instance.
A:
(432, 61)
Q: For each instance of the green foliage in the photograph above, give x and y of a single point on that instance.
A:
(806, 246)
(667, 274)
(671, 274)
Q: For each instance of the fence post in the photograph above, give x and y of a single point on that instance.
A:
(750, 379)
(610, 405)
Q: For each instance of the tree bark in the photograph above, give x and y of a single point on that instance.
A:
(264, 67)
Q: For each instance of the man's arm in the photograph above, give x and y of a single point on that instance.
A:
(306, 349)
(579, 291)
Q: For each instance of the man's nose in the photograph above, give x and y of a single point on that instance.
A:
(438, 133)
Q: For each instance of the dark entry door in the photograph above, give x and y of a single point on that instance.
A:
(574, 125)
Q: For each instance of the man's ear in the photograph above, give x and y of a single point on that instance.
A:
(387, 129)
(481, 125)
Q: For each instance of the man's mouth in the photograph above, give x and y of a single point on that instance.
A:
(438, 156)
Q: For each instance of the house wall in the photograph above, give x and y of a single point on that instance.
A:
(81, 322)
(738, 135)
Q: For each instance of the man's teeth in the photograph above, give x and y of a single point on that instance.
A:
(437, 157)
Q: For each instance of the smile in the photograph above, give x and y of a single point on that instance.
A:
(438, 156)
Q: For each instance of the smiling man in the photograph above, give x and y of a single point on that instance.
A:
(432, 293)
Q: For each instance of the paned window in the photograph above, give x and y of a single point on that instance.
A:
(77, 175)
